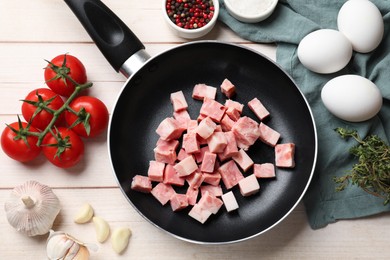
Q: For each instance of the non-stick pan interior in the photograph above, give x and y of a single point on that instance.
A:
(145, 102)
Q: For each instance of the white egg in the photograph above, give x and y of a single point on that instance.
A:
(324, 51)
(362, 23)
(352, 98)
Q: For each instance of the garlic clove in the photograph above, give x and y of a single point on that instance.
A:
(32, 208)
(84, 215)
(120, 239)
(61, 245)
(102, 229)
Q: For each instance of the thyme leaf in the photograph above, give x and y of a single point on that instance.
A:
(372, 172)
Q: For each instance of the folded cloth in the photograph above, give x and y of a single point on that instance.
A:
(290, 22)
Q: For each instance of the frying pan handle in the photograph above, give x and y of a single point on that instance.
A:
(114, 39)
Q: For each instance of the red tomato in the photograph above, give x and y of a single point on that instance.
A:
(65, 149)
(92, 114)
(42, 96)
(20, 146)
(61, 65)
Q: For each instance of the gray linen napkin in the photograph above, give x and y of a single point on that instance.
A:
(291, 21)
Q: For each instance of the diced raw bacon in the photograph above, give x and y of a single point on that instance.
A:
(156, 171)
(192, 195)
(206, 128)
(249, 185)
(217, 142)
(163, 192)
(284, 155)
(182, 154)
(268, 135)
(167, 145)
(264, 170)
(186, 166)
(212, 109)
(199, 156)
(199, 213)
(210, 203)
(228, 88)
(202, 91)
(226, 123)
(178, 202)
(234, 104)
(213, 190)
(246, 131)
(258, 108)
(172, 177)
(161, 154)
(141, 183)
(212, 178)
(233, 113)
(191, 126)
(190, 143)
(218, 129)
(230, 202)
(195, 179)
(208, 162)
(182, 117)
(170, 129)
(243, 160)
(231, 148)
(230, 174)
(178, 101)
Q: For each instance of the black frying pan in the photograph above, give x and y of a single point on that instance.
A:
(144, 103)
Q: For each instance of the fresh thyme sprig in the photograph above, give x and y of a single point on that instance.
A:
(372, 172)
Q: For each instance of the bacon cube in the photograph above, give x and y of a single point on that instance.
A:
(217, 142)
(208, 162)
(182, 117)
(199, 156)
(284, 155)
(228, 88)
(231, 148)
(258, 108)
(192, 195)
(172, 177)
(202, 91)
(178, 202)
(178, 101)
(213, 190)
(246, 132)
(234, 104)
(212, 109)
(249, 185)
(190, 143)
(141, 183)
(191, 126)
(199, 213)
(233, 113)
(226, 123)
(170, 129)
(230, 174)
(243, 160)
(212, 178)
(156, 171)
(264, 170)
(268, 135)
(210, 203)
(164, 155)
(230, 202)
(206, 128)
(186, 166)
(195, 179)
(163, 192)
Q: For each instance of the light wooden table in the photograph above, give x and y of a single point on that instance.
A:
(31, 31)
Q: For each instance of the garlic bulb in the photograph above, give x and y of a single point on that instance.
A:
(63, 246)
(32, 208)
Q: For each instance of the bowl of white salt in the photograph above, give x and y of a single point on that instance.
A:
(250, 11)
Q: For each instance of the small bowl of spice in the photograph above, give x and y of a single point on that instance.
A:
(191, 18)
(250, 11)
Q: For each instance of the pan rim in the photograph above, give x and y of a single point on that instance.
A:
(235, 45)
